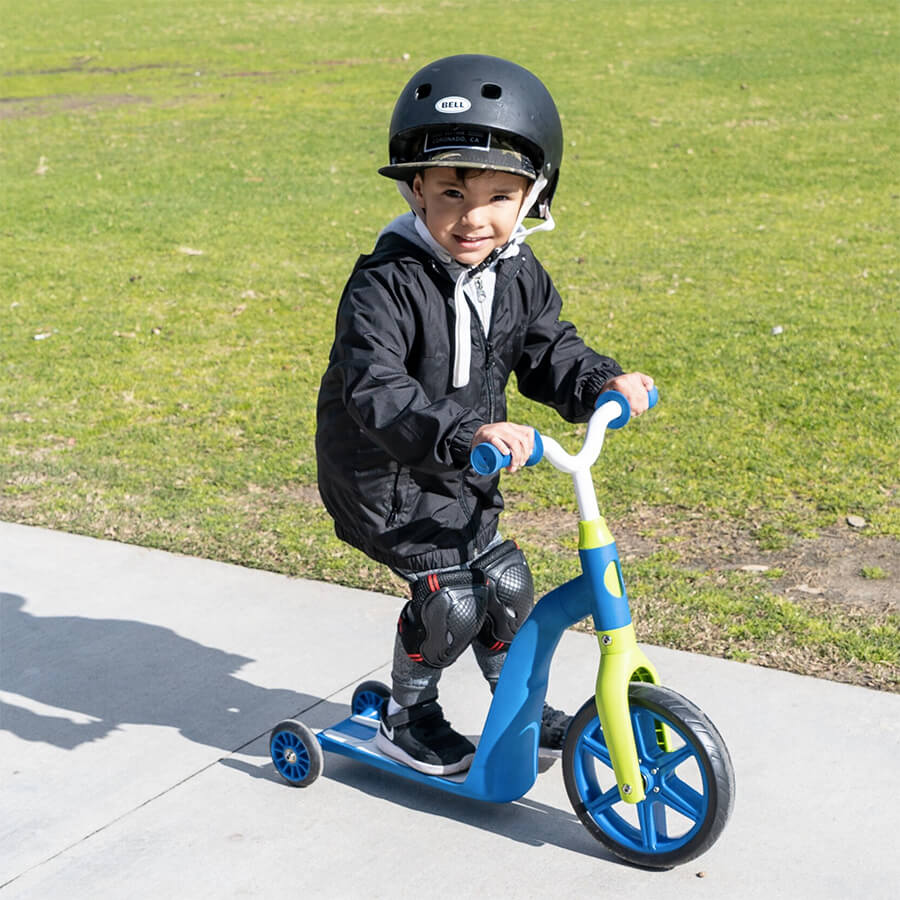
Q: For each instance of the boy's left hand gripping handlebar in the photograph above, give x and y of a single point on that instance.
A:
(486, 459)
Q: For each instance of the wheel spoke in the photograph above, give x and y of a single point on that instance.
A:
(682, 798)
(604, 802)
(597, 749)
(640, 725)
(643, 724)
(669, 762)
(651, 818)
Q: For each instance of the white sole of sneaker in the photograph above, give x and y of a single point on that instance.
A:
(399, 755)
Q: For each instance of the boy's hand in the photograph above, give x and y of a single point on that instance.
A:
(507, 437)
(634, 387)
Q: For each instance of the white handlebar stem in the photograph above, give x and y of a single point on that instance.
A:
(579, 465)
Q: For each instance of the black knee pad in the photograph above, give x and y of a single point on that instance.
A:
(444, 616)
(511, 593)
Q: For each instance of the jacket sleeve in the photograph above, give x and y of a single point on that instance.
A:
(556, 367)
(374, 335)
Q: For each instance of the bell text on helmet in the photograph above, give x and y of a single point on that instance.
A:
(452, 105)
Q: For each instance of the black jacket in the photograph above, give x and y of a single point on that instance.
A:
(393, 436)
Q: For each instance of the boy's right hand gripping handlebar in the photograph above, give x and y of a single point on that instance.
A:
(486, 459)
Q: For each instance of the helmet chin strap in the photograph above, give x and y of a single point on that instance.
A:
(520, 232)
(462, 360)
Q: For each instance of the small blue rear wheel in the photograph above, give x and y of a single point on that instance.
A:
(296, 752)
(369, 698)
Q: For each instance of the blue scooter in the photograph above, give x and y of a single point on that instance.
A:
(646, 771)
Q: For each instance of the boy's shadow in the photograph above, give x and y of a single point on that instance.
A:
(95, 675)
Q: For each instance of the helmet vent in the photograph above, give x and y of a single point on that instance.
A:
(491, 91)
(423, 91)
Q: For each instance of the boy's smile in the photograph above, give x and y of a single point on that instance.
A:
(469, 218)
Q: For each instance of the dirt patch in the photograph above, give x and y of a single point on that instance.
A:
(838, 565)
(29, 107)
(841, 564)
(307, 494)
(81, 66)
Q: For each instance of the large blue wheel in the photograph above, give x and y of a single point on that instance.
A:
(296, 752)
(687, 772)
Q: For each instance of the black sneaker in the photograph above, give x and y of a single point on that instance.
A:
(554, 725)
(422, 738)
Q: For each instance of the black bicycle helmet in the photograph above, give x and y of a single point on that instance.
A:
(481, 112)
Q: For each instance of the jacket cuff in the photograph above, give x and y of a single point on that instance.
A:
(461, 444)
(594, 382)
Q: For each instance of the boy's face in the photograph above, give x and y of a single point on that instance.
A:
(470, 218)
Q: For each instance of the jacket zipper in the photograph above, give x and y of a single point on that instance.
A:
(488, 353)
(396, 500)
(488, 366)
(486, 343)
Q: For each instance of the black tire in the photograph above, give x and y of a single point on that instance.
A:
(690, 787)
(296, 752)
(369, 697)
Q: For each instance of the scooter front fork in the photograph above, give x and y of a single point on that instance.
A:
(621, 662)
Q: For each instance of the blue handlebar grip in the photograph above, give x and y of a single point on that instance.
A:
(621, 420)
(486, 459)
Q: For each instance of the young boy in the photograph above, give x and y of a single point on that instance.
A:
(430, 328)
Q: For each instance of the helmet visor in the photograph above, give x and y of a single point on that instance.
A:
(461, 147)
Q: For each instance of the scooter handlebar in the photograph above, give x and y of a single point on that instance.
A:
(486, 459)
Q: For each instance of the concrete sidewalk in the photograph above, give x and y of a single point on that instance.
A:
(138, 688)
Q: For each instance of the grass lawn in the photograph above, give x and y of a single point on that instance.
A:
(184, 191)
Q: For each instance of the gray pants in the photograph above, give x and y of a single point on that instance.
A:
(415, 682)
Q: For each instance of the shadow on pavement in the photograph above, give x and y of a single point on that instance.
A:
(68, 680)
(525, 820)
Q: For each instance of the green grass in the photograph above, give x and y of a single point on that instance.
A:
(729, 168)
(732, 616)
